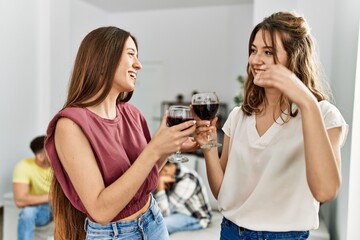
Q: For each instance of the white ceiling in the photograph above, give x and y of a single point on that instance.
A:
(140, 5)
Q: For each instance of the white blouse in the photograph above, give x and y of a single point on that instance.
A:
(264, 186)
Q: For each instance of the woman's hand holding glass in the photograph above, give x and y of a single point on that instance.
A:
(205, 130)
(168, 140)
(178, 114)
(205, 106)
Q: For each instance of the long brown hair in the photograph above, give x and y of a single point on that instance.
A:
(302, 59)
(94, 69)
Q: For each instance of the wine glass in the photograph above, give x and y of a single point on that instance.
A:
(206, 105)
(178, 114)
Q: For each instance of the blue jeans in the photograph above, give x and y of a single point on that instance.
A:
(180, 222)
(148, 226)
(31, 217)
(230, 231)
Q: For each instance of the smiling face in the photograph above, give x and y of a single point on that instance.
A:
(129, 65)
(262, 53)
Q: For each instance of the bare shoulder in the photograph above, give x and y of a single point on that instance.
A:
(65, 123)
(65, 126)
(68, 132)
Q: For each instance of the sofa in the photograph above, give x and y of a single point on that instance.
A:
(212, 232)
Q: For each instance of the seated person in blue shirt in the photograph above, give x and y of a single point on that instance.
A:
(182, 198)
(31, 184)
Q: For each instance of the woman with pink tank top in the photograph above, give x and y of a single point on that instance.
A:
(105, 162)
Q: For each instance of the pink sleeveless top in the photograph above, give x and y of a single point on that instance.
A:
(116, 145)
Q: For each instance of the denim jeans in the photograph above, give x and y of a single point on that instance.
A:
(149, 226)
(31, 217)
(230, 231)
(180, 222)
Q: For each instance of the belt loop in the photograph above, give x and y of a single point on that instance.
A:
(152, 207)
(115, 229)
(85, 224)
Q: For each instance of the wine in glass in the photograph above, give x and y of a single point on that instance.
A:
(178, 114)
(205, 106)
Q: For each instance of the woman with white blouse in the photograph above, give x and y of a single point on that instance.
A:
(281, 150)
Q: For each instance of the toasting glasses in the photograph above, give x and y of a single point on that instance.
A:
(178, 114)
(206, 105)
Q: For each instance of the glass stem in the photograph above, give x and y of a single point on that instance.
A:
(209, 138)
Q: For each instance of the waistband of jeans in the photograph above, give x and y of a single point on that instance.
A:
(241, 229)
(151, 212)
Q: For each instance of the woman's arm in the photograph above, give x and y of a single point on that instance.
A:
(215, 166)
(322, 154)
(78, 160)
(162, 161)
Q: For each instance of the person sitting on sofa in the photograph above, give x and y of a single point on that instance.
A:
(31, 184)
(182, 198)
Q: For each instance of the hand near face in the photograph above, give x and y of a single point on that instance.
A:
(165, 182)
(279, 77)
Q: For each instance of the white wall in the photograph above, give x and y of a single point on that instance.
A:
(346, 32)
(201, 48)
(19, 85)
(71, 20)
(60, 50)
(84, 18)
(354, 176)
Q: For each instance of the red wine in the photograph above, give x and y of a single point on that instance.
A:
(206, 111)
(171, 121)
